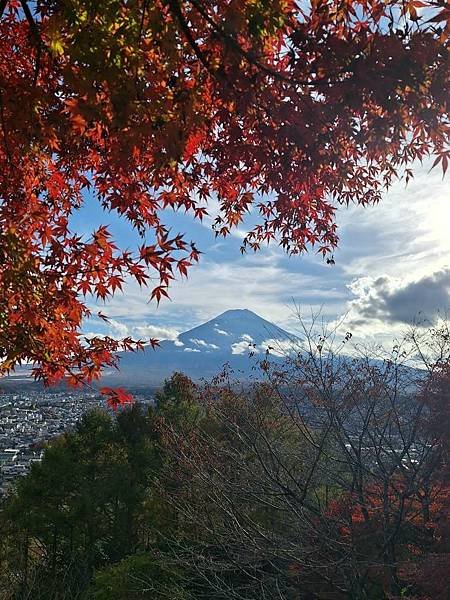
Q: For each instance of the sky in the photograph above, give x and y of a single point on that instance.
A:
(392, 268)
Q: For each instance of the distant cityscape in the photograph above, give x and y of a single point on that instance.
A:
(29, 418)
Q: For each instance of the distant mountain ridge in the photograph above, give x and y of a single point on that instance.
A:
(238, 338)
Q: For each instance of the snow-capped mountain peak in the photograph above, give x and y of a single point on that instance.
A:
(231, 327)
(231, 338)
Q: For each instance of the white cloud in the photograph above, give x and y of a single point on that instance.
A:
(263, 284)
(274, 346)
(119, 329)
(214, 211)
(406, 233)
(240, 347)
(204, 344)
(400, 300)
(192, 350)
(246, 337)
(161, 333)
(178, 343)
(265, 287)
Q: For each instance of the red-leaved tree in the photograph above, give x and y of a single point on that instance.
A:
(292, 109)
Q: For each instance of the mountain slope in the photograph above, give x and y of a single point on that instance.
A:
(203, 350)
(231, 326)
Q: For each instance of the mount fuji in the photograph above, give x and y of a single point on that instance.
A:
(236, 337)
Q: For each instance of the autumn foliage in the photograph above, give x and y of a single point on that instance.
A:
(328, 479)
(287, 109)
(324, 479)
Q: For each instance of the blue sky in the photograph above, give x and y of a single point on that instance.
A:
(392, 262)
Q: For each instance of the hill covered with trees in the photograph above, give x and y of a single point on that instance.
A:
(326, 480)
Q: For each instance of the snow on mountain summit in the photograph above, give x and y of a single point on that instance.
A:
(231, 327)
(203, 350)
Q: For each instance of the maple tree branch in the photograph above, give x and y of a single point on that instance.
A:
(248, 55)
(37, 38)
(3, 124)
(31, 22)
(141, 25)
(189, 37)
(38, 63)
(141, 30)
(251, 59)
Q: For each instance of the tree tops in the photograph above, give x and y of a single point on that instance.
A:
(285, 109)
(326, 480)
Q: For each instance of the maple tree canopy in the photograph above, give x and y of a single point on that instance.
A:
(287, 108)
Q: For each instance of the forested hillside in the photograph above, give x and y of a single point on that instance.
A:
(328, 480)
